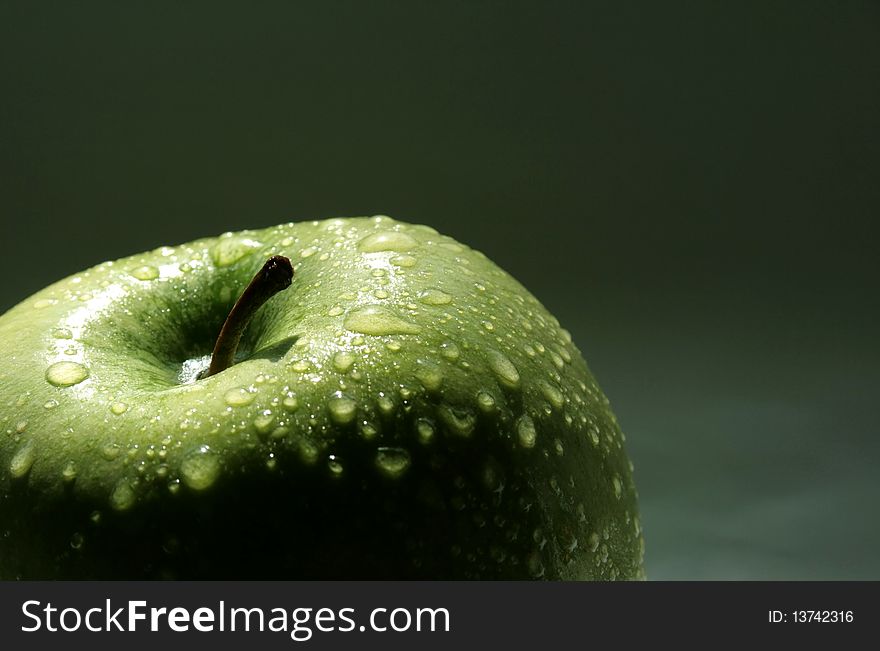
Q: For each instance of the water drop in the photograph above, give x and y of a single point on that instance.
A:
(308, 452)
(342, 409)
(387, 241)
(377, 320)
(430, 375)
(557, 446)
(229, 249)
(485, 401)
(435, 297)
(22, 461)
(564, 354)
(526, 432)
(459, 421)
(450, 350)
(308, 252)
(200, 468)
(44, 302)
(392, 462)
(334, 466)
(264, 422)
(404, 261)
(290, 402)
(68, 474)
(111, 451)
(238, 397)
(552, 393)
(335, 311)
(425, 430)
(118, 408)
(503, 369)
(62, 333)
(368, 430)
(146, 272)
(65, 374)
(76, 541)
(123, 496)
(386, 404)
(617, 486)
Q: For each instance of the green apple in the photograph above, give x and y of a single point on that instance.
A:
(405, 409)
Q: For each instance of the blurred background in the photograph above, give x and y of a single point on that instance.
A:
(693, 189)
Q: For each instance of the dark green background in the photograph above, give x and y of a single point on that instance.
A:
(692, 188)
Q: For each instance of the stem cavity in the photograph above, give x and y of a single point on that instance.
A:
(275, 276)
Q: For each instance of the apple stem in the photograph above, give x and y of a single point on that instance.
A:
(276, 275)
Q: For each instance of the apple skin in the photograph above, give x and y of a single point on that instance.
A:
(405, 410)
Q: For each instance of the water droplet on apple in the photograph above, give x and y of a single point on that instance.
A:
(593, 541)
(290, 402)
(526, 432)
(22, 461)
(503, 369)
(76, 541)
(95, 517)
(308, 252)
(21, 426)
(557, 360)
(616, 486)
(377, 320)
(308, 452)
(238, 397)
(335, 311)
(552, 393)
(458, 421)
(342, 409)
(392, 462)
(404, 261)
(381, 294)
(343, 361)
(558, 448)
(65, 374)
(123, 496)
(68, 474)
(62, 333)
(435, 297)
(430, 375)
(334, 465)
(44, 302)
(593, 431)
(387, 241)
(229, 249)
(146, 272)
(488, 325)
(118, 408)
(264, 422)
(564, 354)
(200, 468)
(368, 430)
(111, 451)
(485, 401)
(450, 350)
(425, 430)
(386, 404)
